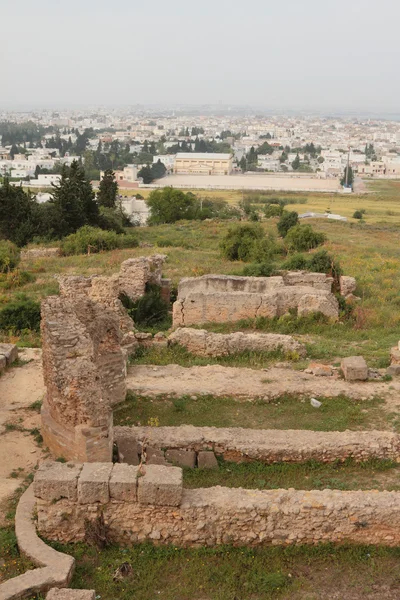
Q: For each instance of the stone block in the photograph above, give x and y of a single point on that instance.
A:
(354, 368)
(181, 458)
(161, 486)
(93, 483)
(123, 483)
(67, 594)
(395, 356)
(393, 370)
(3, 363)
(55, 480)
(347, 285)
(10, 351)
(155, 456)
(128, 450)
(206, 460)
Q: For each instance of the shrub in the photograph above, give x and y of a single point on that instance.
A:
(297, 262)
(9, 256)
(323, 262)
(259, 269)
(265, 249)
(286, 222)
(93, 239)
(303, 237)
(358, 214)
(112, 220)
(150, 309)
(19, 314)
(273, 210)
(14, 279)
(239, 241)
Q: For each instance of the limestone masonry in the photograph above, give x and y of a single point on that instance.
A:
(158, 509)
(204, 343)
(84, 365)
(238, 444)
(222, 298)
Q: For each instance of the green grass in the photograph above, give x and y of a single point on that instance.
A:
(180, 356)
(311, 475)
(227, 573)
(285, 412)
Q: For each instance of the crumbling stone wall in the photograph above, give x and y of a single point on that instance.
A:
(84, 372)
(204, 343)
(154, 506)
(220, 298)
(238, 444)
(83, 331)
(40, 253)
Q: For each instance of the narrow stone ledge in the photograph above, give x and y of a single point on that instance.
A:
(57, 568)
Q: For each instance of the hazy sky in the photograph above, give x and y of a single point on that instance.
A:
(327, 54)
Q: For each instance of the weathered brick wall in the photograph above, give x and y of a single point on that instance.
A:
(269, 445)
(152, 506)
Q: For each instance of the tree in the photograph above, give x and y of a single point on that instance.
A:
(350, 177)
(146, 174)
(158, 169)
(108, 190)
(296, 163)
(16, 208)
(286, 222)
(74, 200)
(169, 205)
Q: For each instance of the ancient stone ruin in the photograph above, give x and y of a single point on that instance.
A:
(84, 333)
(223, 298)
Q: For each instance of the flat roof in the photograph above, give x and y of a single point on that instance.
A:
(204, 155)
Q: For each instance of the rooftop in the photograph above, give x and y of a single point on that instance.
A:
(204, 155)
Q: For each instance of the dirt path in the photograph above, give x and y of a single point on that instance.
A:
(20, 387)
(250, 383)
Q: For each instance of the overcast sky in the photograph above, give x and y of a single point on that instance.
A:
(298, 54)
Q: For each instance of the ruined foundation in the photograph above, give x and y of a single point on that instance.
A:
(86, 334)
(155, 507)
(222, 298)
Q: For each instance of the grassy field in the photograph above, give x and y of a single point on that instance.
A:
(285, 412)
(311, 475)
(227, 573)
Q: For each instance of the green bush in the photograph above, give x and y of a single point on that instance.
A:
(358, 214)
(15, 279)
(112, 220)
(9, 256)
(88, 240)
(323, 262)
(265, 249)
(149, 310)
(19, 314)
(273, 210)
(259, 270)
(297, 262)
(286, 222)
(303, 237)
(238, 243)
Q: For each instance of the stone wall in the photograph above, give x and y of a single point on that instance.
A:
(205, 343)
(220, 298)
(151, 505)
(269, 445)
(86, 334)
(40, 253)
(84, 372)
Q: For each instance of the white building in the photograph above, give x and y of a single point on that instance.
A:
(135, 209)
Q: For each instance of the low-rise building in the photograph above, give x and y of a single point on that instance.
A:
(199, 163)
